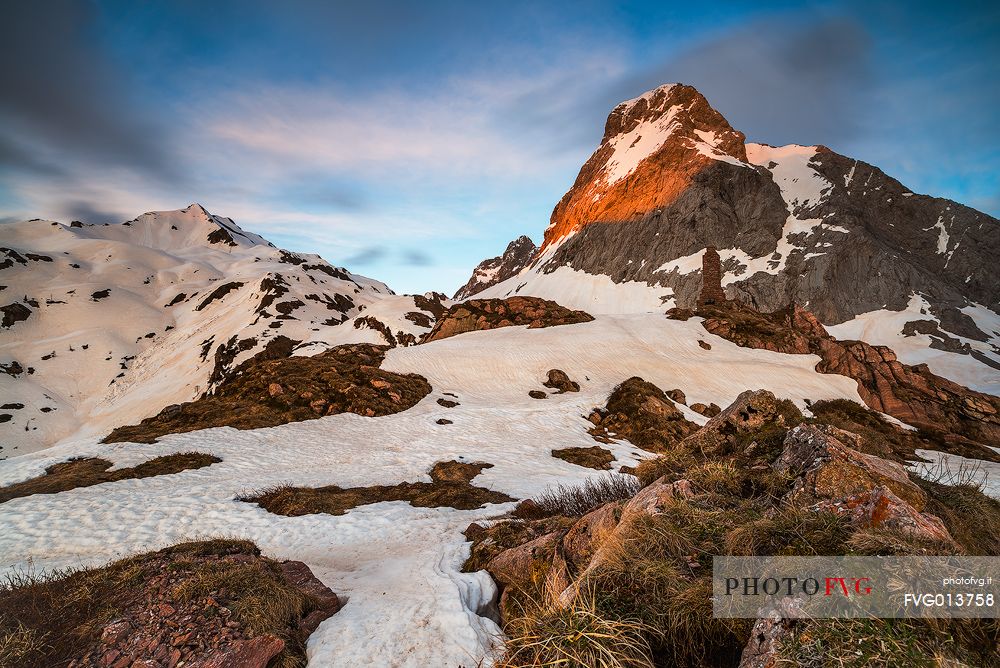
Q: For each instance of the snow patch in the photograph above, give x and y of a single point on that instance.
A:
(593, 293)
(884, 327)
(631, 148)
(802, 187)
(942, 243)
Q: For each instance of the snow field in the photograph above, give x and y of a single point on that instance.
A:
(398, 566)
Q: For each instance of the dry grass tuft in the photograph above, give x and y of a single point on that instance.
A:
(673, 463)
(578, 500)
(575, 636)
(899, 643)
(972, 518)
(262, 600)
(660, 575)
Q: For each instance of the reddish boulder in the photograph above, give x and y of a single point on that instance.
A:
(879, 508)
(751, 411)
(480, 314)
(827, 468)
(558, 380)
(253, 653)
(301, 577)
(677, 396)
(586, 536)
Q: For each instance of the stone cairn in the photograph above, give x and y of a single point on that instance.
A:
(711, 276)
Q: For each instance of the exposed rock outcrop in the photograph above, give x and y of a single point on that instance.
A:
(758, 479)
(479, 314)
(641, 413)
(13, 313)
(909, 393)
(871, 491)
(826, 468)
(711, 279)
(345, 379)
(653, 149)
(763, 648)
(751, 411)
(594, 457)
(209, 604)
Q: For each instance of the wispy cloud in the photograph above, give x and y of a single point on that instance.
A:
(66, 103)
(462, 128)
(324, 137)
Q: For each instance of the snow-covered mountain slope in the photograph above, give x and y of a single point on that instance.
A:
(106, 324)
(398, 566)
(518, 255)
(793, 223)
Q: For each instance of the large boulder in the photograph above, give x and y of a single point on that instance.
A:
(558, 380)
(590, 542)
(826, 467)
(752, 411)
(327, 602)
(879, 508)
(589, 533)
(873, 492)
(524, 569)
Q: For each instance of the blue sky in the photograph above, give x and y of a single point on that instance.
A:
(410, 140)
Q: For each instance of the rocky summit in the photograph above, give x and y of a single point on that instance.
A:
(671, 178)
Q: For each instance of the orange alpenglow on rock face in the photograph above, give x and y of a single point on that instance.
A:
(711, 276)
(636, 170)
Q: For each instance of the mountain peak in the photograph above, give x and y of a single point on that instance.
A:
(518, 255)
(652, 148)
(197, 210)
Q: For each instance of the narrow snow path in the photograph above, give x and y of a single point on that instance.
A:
(398, 566)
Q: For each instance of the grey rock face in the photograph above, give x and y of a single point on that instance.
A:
(791, 224)
(889, 251)
(726, 206)
(518, 255)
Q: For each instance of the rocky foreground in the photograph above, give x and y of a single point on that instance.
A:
(619, 571)
(210, 604)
